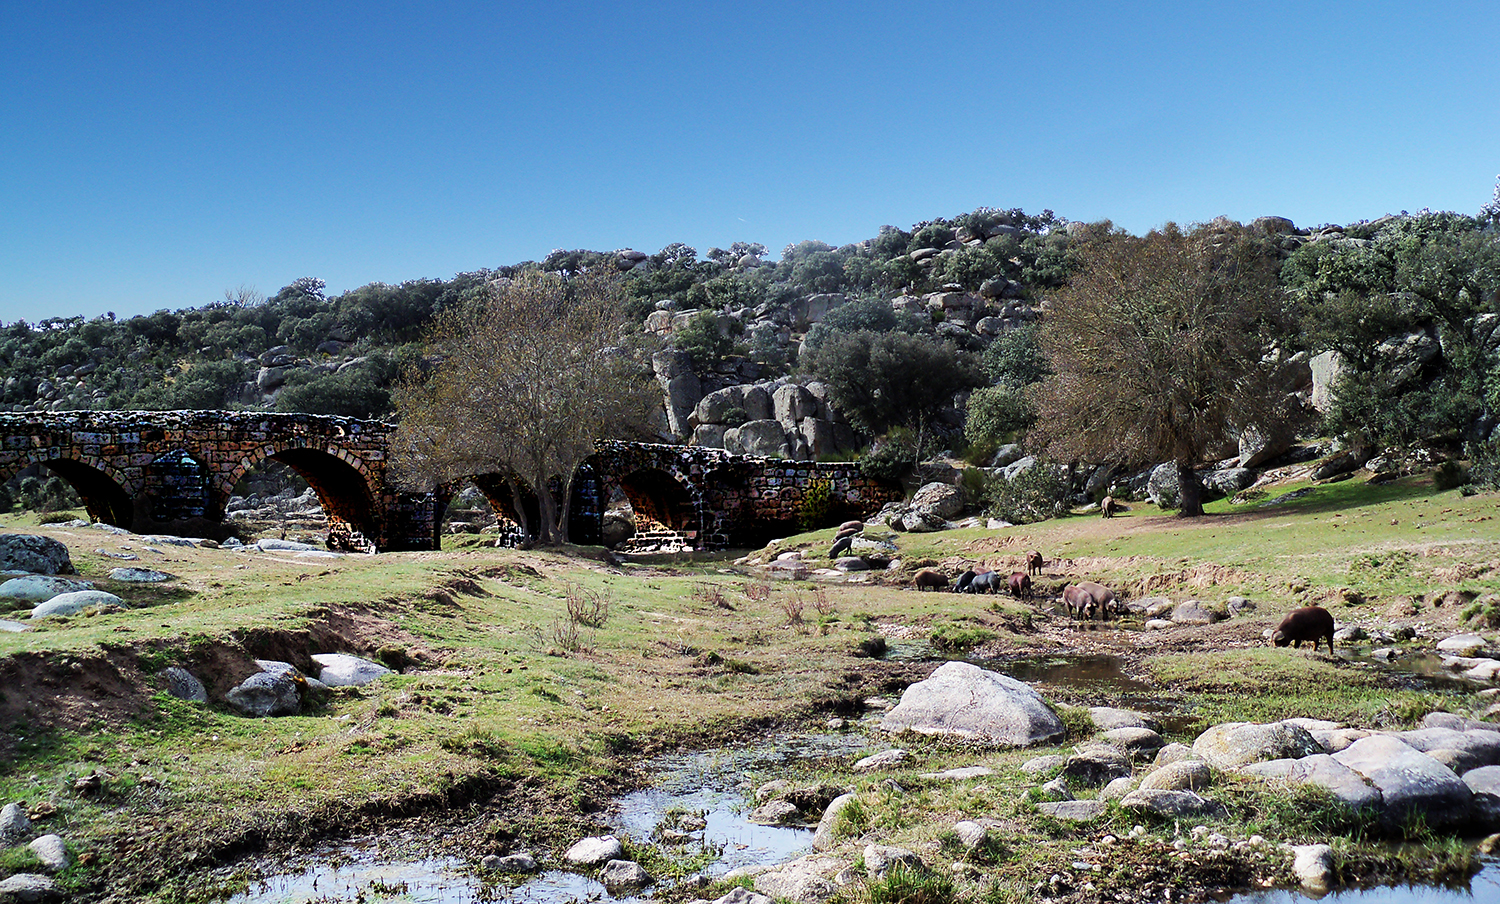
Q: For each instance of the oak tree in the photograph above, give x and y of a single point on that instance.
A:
(1162, 347)
(524, 381)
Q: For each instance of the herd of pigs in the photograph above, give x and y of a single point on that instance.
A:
(1085, 599)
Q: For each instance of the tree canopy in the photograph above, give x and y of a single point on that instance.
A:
(525, 380)
(1161, 347)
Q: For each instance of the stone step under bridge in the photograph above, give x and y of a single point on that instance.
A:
(174, 471)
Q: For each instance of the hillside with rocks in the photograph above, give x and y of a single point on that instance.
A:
(1396, 354)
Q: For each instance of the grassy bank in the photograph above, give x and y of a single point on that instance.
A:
(533, 682)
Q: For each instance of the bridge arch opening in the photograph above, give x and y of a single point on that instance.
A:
(664, 511)
(34, 484)
(343, 494)
(490, 500)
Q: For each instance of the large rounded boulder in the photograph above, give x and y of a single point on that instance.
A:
(962, 700)
(34, 554)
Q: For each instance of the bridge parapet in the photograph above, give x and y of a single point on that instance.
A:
(148, 469)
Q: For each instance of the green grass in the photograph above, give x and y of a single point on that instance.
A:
(691, 651)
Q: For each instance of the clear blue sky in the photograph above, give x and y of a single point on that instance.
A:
(153, 155)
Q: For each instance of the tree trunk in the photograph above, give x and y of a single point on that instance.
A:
(1189, 491)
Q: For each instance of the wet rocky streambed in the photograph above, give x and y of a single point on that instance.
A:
(699, 804)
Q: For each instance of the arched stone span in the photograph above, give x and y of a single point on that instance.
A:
(118, 460)
(509, 496)
(662, 497)
(155, 458)
(98, 484)
(341, 481)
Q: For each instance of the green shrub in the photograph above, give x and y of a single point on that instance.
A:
(816, 505)
(951, 637)
(996, 413)
(911, 886)
(1450, 475)
(1036, 494)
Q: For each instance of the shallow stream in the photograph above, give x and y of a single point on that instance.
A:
(716, 787)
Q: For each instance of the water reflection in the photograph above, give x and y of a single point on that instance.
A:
(1484, 888)
(710, 785)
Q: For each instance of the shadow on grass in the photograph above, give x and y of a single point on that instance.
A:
(1324, 498)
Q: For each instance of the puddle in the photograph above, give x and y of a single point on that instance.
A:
(1422, 671)
(1483, 887)
(714, 786)
(1101, 677)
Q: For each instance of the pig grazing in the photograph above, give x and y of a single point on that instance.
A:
(1020, 585)
(1312, 623)
(927, 579)
(1088, 599)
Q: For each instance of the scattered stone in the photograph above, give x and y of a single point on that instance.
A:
(13, 627)
(1236, 744)
(742, 895)
(1462, 645)
(1156, 606)
(122, 556)
(1107, 718)
(15, 825)
(595, 851)
(1096, 764)
(1339, 780)
(1484, 783)
(970, 834)
(885, 759)
(1057, 789)
(34, 554)
(772, 789)
(1184, 775)
(53, 853)
(267, 694)
(1193, 612)
(1312, 864)
(1117, 788)
(1073, 810)
(806, 880)
(1409, 782)
(26, 888)
(1166, 803)
(775, 813)
(961, 774)
(879, 859)
(343, 670)
(823, 838)
(1173, 753)
(962, 700)
(37, 588)
(140, 576)
(182, 685)
(1159, 624)
(1238, 604)
(1140, 743)
(522, 862)
(624, 874)
(1046, 763)
(74, 603)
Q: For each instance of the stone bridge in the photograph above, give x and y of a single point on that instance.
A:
(174, 471)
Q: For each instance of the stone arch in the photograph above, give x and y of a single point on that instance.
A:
(510, 497)
(342, 480)
(664, 497)
(105, 491)
(176, 488)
